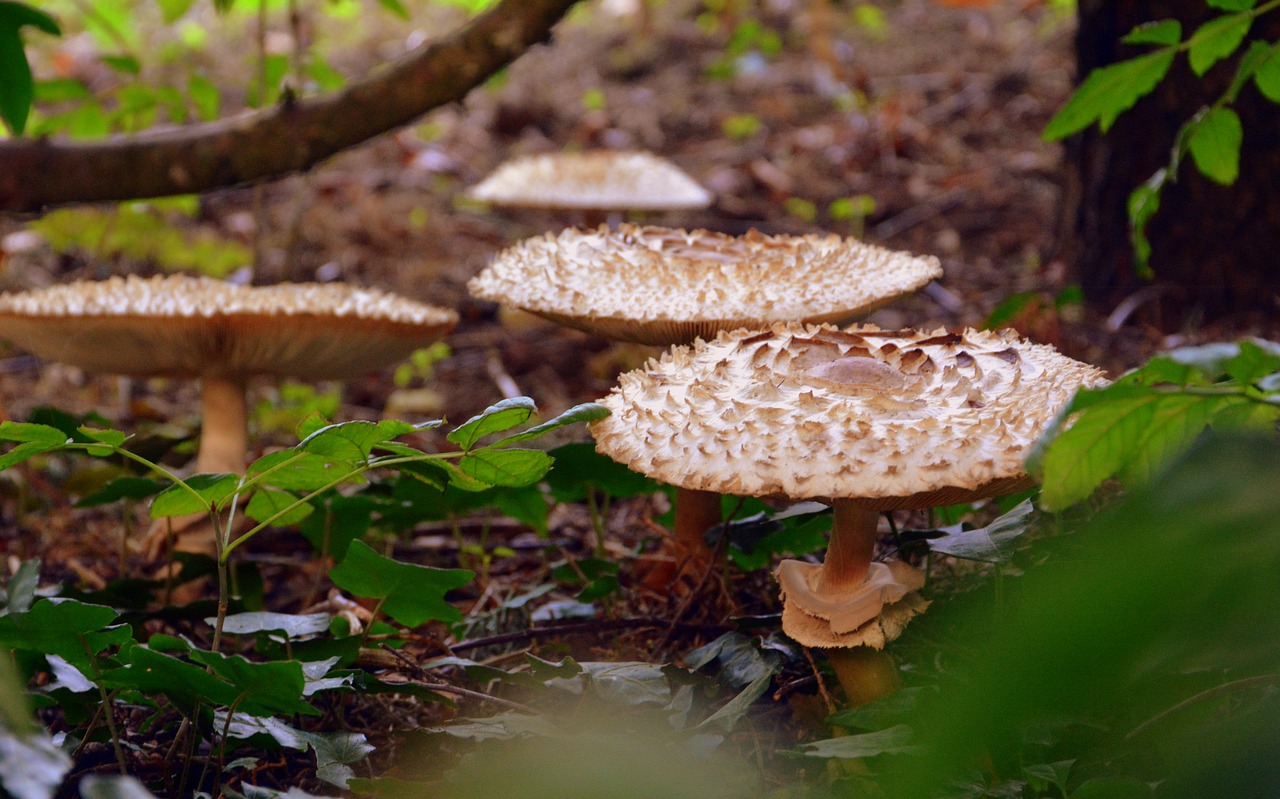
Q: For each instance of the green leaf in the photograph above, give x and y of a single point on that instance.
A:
(505, 467)
(55, 627)
(579, 469)
(267, 502)
(1217, 39)
(1253, 58)
(494, 419)
(1215, 145)
(586, 412)
(112, 438)
(1268, 75)
(20, 591)
(1143, 204)
(1108, 92)
(341, 520)
(262, 689)
(1163, 32)
(892, 741)
(210, 490)
(352, 442)
(395, 7)
(413, 594)
(32, 433)
(1233, 5)
(990, 544)
(16, 90)
(293, 470)
(173, 10)
(205, 97)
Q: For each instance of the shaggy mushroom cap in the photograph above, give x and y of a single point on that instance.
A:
(656, 285)
(598, 180)
(866, 419)
(886, 419)
(180, 325)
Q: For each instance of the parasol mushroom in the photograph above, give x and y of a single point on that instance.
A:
(182, 326)
(865, 419)
(593, 182)
(662, 286)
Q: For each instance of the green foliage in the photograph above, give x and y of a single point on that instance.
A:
(147, 232)
(410, 594)
(1132, 428)
(16, 89)
(1213, 136)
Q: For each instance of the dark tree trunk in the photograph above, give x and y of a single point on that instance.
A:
(1216, 249)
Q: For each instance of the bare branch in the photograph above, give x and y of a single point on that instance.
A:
(36, 173)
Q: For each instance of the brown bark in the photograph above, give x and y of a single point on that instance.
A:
(272, 142)
(1213, 246)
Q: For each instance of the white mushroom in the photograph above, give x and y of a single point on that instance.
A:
(599, 180)
(184, 326)
(865, 419)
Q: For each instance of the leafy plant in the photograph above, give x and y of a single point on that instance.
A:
(16, 87)
(1213, 136)
(1132, 428)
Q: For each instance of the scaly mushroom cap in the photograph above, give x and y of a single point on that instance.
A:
(656, 285)
(189, 326)
(601, 180)
(890, 419)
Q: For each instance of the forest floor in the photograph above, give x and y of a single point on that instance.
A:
(936, 116)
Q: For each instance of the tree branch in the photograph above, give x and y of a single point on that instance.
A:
(291, 136)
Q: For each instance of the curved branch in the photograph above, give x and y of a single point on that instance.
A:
(294, 135)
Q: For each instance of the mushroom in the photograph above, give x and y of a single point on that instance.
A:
(865, 419)
(182, 326)
(663, 286)
(593, 182)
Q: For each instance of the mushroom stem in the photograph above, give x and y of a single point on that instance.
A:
(864, 673)
(696, 512)
(224, 433)
(853, 542)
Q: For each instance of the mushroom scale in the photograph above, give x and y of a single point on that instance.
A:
(596, 180)
(656, 285)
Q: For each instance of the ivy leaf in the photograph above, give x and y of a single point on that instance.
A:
(412, 594)
(494, 419)
(894, 740)
(267, 502)
(263, 689)
(505, 467)
(57, 627)
(1108, 92)
(352, 442)
(210, 490)
(293, 625)
(1215, 145)
(586, 412)
(1268, 75)
(1217, 39)
(16, 88)
(1143, 204)
(1163, 32)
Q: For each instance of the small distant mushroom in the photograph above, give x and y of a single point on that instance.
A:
(663, 286)
(864, 419)
(182, 326)
(593, 182)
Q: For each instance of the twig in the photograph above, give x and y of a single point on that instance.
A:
(822, 687)
(580, 628)
(453, 689)
(498, 374)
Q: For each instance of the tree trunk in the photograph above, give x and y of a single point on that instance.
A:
(1215, 248)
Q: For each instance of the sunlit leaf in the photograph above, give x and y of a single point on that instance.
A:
(206, 491)
(1217, 39)
(501, 416)
(352, 442)
(1163, 32)
(1267, 76)
(293, 470)
(586, 412)
(1109, 91)
(412, 594)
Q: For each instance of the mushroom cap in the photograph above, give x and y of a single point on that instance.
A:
(599, 180)
(657, 285)
(180, 325)
(885, 419)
